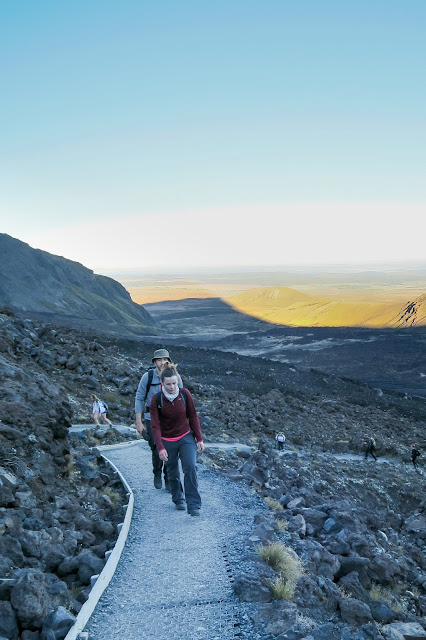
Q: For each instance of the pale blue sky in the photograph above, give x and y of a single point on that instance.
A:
(268, 132)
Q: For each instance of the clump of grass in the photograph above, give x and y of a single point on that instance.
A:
(273, 554)
(282, 525)
(379, 593)
(287, 564)
(343, 592)
(112, 495)
(281, 589)
(274, 504)
(70, 470)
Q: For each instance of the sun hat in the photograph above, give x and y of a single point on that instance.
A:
(161, 353)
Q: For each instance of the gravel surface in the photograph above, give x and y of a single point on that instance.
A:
(174, 578)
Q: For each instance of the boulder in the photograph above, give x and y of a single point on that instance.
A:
(88, 565)
(381, 612)
(352, 585)
(6, 496)
(404, 631)
(278, 616)
(30, 599)
(297, 525)
(249, 588)
(416, 523)
(30, 635)
(57, 624)
(8, 623)
(11, 548)
(263, 534)
(314, 517)
(253, 474)
(355, 612)
(8, 479)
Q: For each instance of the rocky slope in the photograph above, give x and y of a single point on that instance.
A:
(413, 314)
(359, 528)
(43, 285)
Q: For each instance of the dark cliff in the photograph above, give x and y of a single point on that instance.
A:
(40, 284)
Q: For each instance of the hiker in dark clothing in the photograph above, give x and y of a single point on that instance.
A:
(370, 447)
(415, 453)
(149, 385)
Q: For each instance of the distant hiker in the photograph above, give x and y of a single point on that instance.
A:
(99, 410)
(149, 385)
(280, 438)
(370, 447)
(177, 434)
(415, 453)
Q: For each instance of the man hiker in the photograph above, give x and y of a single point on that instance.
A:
(414, 455)
(370, 447)
(149, 385)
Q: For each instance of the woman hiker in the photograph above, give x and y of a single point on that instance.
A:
(177, 434)
(99, 410)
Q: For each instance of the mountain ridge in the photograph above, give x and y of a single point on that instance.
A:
(38, 283)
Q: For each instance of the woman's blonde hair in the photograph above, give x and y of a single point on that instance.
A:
(169, 370)
(94, 397)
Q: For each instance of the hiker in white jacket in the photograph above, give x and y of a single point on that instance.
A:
(99, 410)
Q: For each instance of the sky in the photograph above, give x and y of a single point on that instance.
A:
(136, 134)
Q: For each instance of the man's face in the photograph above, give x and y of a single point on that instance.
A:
(170, 384)
(160, 362)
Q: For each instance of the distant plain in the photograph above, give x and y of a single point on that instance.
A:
(300, 297)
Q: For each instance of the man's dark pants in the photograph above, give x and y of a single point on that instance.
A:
(184, 450)
(157, 464)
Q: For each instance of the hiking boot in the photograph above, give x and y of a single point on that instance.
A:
(194, 512)
(157, 482)
(180, 506)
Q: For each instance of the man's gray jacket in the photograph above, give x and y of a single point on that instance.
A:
(140, 405)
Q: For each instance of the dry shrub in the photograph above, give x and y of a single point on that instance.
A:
(287, 564)
(274, 504)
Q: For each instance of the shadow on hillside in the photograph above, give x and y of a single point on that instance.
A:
(372, 356)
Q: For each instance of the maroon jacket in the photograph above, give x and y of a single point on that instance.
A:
(173, 422)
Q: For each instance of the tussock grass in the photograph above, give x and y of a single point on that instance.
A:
(274, 504)
(382, 594)
(281, 589)
(282, 525)
(70, 470)
(287, 564)
(112, 495)
(343, 592)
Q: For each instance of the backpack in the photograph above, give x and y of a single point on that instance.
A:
(159, 401)
(150, 372)
(104, 404)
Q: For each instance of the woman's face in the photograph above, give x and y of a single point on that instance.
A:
(170, 384)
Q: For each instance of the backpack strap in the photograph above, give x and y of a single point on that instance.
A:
(149, 383)
(159, 401)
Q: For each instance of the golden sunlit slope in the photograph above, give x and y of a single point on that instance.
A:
(282, 305)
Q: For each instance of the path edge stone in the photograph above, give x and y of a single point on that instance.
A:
(108, 571)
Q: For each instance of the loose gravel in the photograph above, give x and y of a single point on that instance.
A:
(174, 577)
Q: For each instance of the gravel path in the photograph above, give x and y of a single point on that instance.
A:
(174, 577)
